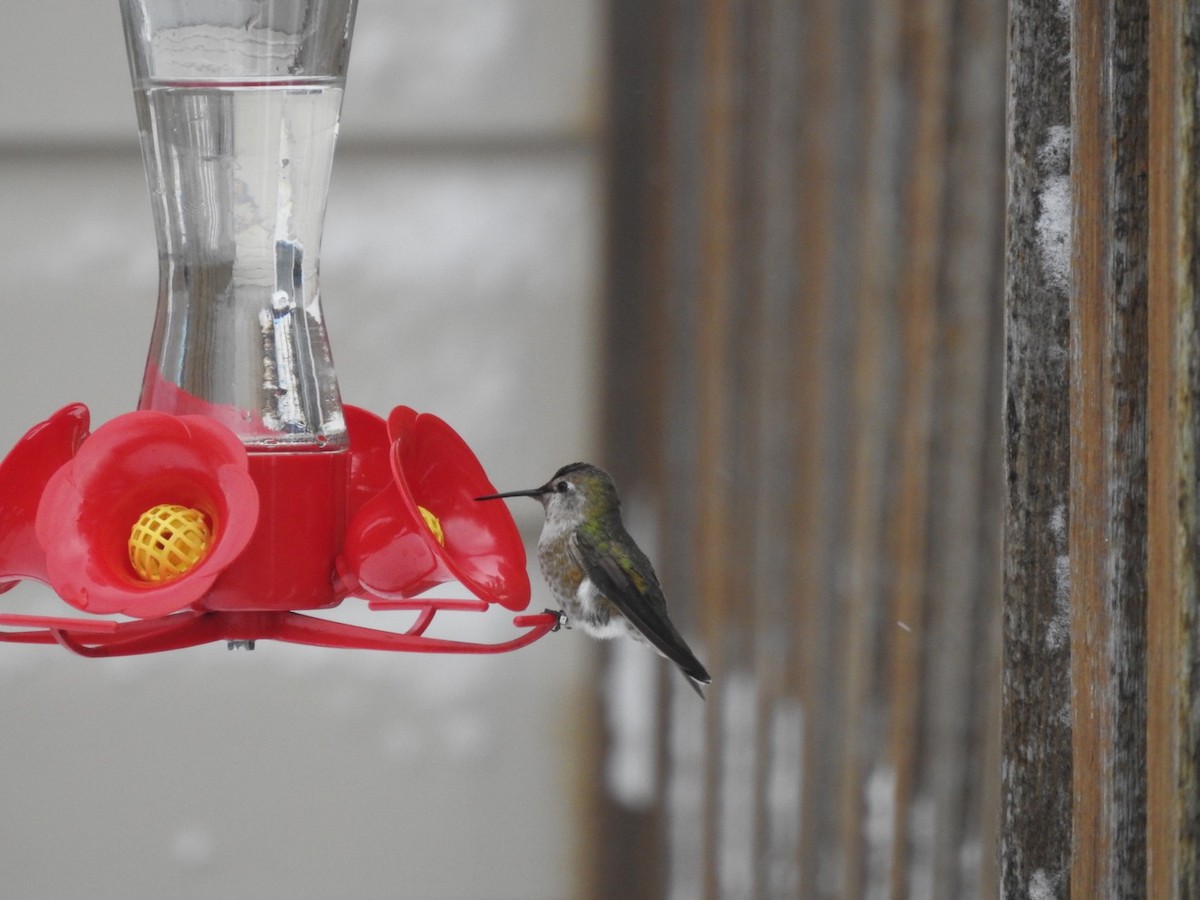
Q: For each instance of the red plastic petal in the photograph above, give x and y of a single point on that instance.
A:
(370, 449)
(435, 469)
(43, 450)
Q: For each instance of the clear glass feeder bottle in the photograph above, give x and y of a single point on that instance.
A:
(238, 103)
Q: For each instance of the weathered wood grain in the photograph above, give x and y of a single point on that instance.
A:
(1036, 752)
(1107, 544)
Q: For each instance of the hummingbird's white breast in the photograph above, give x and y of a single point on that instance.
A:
(596, 621)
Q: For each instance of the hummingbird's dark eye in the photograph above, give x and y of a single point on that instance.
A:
(562, 487)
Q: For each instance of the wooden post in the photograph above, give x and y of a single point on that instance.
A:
(1173, 609)
(1107, 543)
(1036, 752)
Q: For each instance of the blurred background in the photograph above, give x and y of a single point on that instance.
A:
(748, 256)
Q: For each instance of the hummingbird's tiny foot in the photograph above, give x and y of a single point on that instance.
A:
(562, 619)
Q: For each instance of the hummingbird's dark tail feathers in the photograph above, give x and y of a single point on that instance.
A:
(672, 647)
(687, 662)
(690, 668)
(628, 582)
(697, 686)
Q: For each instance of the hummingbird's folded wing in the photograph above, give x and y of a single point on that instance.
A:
(636, 593)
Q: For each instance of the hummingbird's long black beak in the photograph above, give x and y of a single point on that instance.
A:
(532, 492)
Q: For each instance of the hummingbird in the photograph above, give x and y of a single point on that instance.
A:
(600, 577)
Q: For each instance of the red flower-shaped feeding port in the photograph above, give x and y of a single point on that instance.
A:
(425, 528)
(128, 467)
(168, 519)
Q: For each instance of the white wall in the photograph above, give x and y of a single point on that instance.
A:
(459, 274)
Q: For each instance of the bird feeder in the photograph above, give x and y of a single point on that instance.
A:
(242, 494)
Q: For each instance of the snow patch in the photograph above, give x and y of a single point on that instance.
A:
(879, 829)
(631, 707)
(685, 795)
(1059, 627)
(738, 816)
(1042, 886)
(785, 795)
(1053, 225)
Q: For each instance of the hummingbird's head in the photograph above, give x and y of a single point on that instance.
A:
(579, 491)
